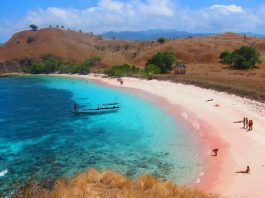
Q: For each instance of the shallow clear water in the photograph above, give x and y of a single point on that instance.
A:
(40, 139)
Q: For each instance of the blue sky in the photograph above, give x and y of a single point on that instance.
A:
(118, 15)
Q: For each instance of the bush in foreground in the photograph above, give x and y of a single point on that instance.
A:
(108, 184)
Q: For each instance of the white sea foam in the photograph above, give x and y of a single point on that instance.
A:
(3, 173)
(185, 115)
(196, 125)
(202, 174)
(199, 179)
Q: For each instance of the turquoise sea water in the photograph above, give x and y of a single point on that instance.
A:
(40, 139)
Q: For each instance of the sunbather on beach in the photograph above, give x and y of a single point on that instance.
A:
(246, 171)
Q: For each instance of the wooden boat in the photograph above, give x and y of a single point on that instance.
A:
(102, 108)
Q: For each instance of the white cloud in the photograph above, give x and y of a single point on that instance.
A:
(228, 8)
(118, 15)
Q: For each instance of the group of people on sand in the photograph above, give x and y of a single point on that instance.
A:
(247, 171)
(248, 124)
(120, 80)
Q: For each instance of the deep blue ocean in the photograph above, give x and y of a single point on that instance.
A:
(41, 139)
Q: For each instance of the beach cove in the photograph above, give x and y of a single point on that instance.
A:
(41, 139)
(218, 124)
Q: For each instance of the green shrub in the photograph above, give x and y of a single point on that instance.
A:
(161, 40)
(122, 70)
(33, 27)
(164, 60)
(37, 68)
(243, 58)
(152, 69)
(226, 57)
(50, 64)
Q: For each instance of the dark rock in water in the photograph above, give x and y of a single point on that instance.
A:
(131, 173)
(47, 184)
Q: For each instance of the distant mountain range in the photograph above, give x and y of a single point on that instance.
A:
(154, 34)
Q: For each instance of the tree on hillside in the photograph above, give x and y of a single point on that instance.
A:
(164, 60)
(226, 57)
(151, 69)
(246, 57)
(161, 40)
(243, 58)
(33, 27)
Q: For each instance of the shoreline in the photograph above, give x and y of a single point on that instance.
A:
(237, 147)
(218, 127)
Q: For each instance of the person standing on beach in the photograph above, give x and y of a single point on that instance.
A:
(250, 125)
(244, 122)
(246, 125)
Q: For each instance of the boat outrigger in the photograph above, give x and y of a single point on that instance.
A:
(102, 108)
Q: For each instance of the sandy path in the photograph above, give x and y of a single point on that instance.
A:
(239, 147)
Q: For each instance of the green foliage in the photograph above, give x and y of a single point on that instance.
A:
(226, 57)
(33, 27)
(122, 70)
(84, 67)
(50, 64)
(164, 60)
(37, 68)
(92, 61)
(161, 40)
(100, 47)
(243, 58)
(151, 69)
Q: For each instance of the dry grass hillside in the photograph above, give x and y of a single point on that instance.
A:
(200, 54)
(107, 185)
(70, 45)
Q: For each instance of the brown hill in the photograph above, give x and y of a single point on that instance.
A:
(201, 54)
(76, 47)
(69, 45)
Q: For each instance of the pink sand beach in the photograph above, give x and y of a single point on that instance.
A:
(218, 125)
